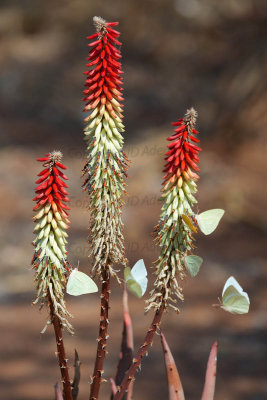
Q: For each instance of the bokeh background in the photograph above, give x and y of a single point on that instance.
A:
(176, 53)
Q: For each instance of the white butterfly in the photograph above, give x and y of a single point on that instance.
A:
(80, 283)
(234, 299)
(193, 263)
(209, 220)
(136, 278)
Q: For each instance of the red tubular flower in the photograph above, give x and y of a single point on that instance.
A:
(175, 228)
(51, 218)
(105, 169)
(51, 188)
(182, 157)
(50, 257)
(104, 79)
(106, 166)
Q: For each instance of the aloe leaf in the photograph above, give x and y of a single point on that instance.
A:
(126, 353)
(77, 376)
(210, 380)
(58, 392)
(174, 383)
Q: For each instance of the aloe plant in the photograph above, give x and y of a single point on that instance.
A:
(173, 235)
(105, 169)
(50, 257)
(104, 174)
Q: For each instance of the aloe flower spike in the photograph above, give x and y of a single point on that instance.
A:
(105, 170)
(106, 164)
(51, 217)
(173, 235)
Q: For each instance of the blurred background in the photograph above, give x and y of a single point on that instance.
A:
(176, 54)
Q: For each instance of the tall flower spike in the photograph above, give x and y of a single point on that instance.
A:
(107, 164)
(174, 233)
(51, 218)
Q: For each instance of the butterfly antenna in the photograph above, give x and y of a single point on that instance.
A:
(217, 305)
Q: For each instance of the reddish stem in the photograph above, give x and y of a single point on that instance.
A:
(129, 376)
(102, 337)
(62, 360)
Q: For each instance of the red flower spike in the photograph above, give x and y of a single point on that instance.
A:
(104, 79)
(173, 234)
(183, 154)
(50, 257)
(51, 187)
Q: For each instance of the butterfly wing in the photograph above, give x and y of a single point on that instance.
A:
(80, 283)
(232, 282)
(139, 273)
(193, 263)
(143, 284)
(139, 269)
(131, 283)
(234, 299)
(134, 287)
(209, 220)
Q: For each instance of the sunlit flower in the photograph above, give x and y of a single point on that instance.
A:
(173, 234)
(106, 166)
(51, 218)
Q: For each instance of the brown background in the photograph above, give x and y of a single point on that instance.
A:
(176, 53)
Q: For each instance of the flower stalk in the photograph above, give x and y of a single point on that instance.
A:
(50, 257)
(106, 164)
(173, 235)
(67, 387)
(104, 170)
(102, 338)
